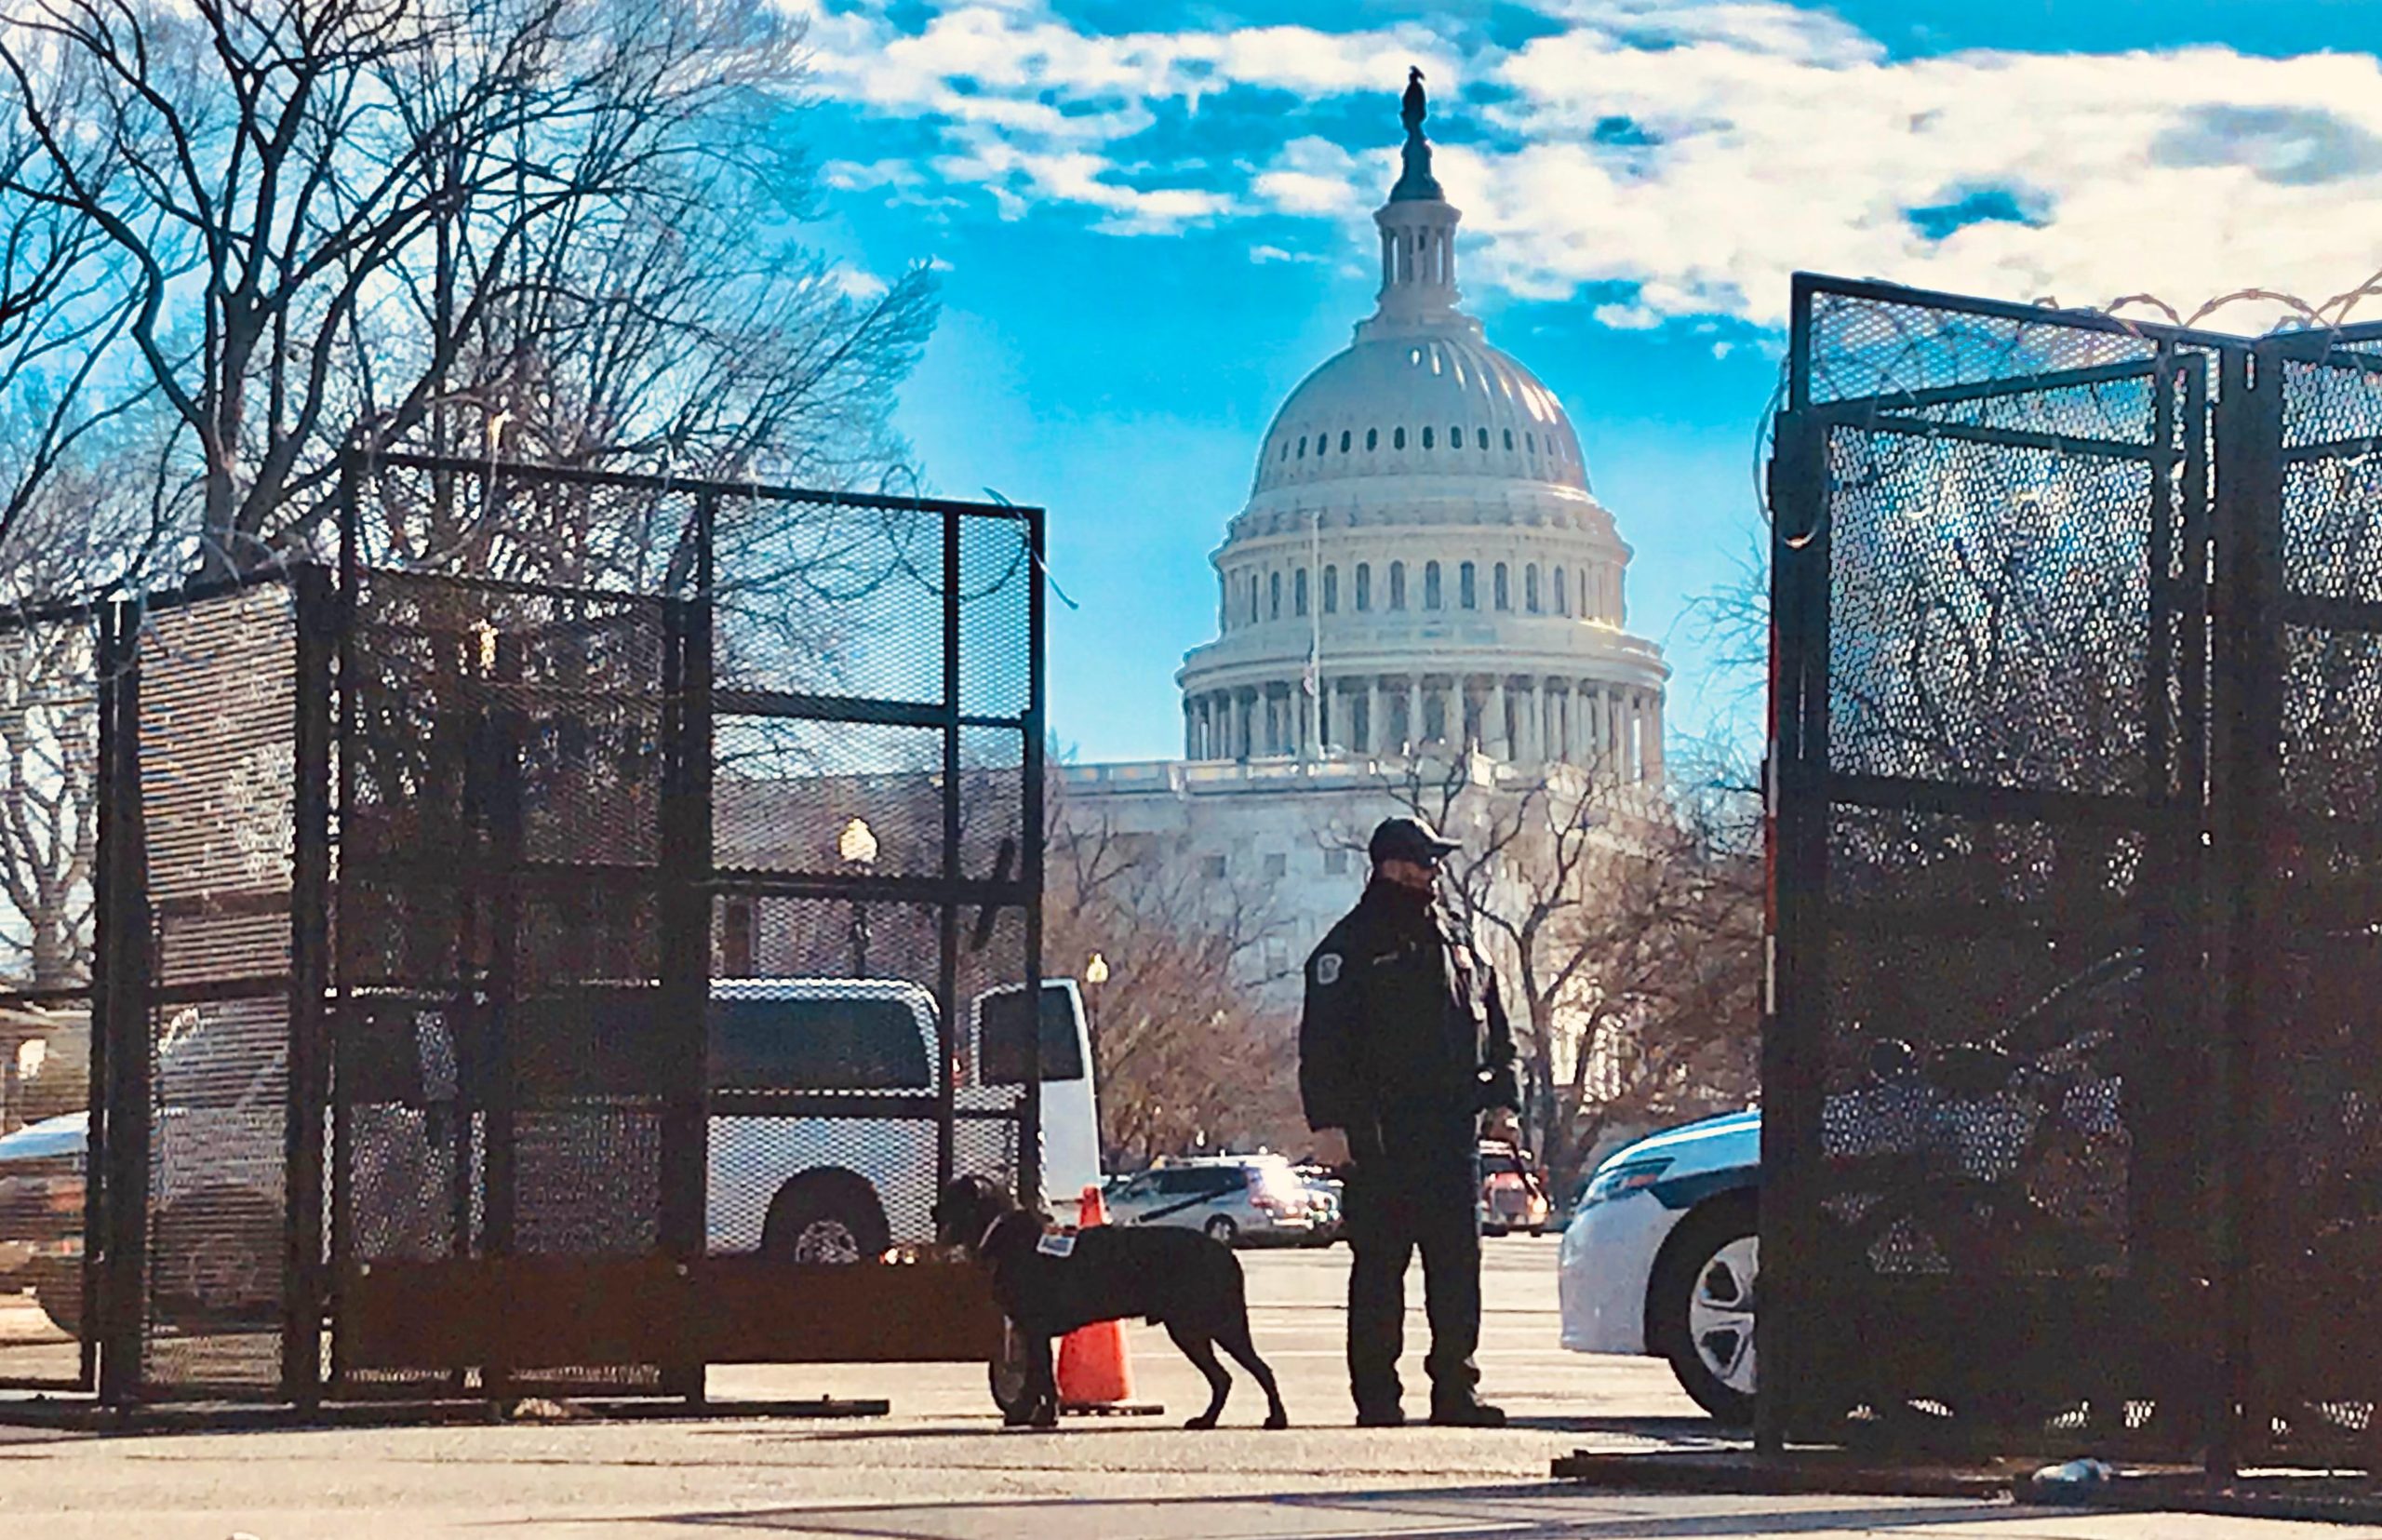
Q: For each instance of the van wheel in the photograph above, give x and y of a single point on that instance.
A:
(58, 1288)
(1222, 1230)
(821, 1220)
(216, 1260)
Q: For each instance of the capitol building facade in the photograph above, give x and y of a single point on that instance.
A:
(1421, 576)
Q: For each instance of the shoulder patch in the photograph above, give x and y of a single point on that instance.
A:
(1056, 1245)
(1327, 969)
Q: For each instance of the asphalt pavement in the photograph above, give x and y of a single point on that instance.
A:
(940, 1468)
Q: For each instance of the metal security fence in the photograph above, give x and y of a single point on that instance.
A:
(545, 950)
(2067, 1077)
(51, 750)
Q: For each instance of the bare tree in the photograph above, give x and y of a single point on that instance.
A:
(385, 216)
(1624, 921)
(1188, 1056)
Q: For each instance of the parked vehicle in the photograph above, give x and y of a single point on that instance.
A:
(1325, 1197)
(822, 1137)
(41, 1215)
(838, 1184)
(1663, 1254)
(1512, 1195)
(1239, 1199)
(1070, 1112)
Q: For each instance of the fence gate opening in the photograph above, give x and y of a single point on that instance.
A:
(547, 950)
(2070, 1133)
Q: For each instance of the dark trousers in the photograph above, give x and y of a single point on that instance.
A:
(1396, 1203)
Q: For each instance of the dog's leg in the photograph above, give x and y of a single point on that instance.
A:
(1235, 1338)
(1202, 1354)
(1042, 1374)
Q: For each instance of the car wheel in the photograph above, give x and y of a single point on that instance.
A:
(825, 1223)
(1703, 1302)
(1007, 1374)
(1222, 1230)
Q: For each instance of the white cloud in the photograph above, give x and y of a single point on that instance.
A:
(1758, 137)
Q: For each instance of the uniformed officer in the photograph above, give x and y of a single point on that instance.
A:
(1404, 1045)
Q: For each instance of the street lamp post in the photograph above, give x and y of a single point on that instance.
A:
(857, 847)
(1095, 973)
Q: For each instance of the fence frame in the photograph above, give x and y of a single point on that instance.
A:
(722, 1308)
(2209, 802)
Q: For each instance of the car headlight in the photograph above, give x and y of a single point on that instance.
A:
(1623, 1179)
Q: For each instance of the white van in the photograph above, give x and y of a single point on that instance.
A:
(847, 1169)
(844, 1179)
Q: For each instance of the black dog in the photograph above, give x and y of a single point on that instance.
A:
(1048, 1286)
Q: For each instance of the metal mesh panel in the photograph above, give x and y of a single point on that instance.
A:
(217, 753)
(500, 1057)
(785, 791)
(840, 598)
(1979, 876)
(1864, 344)
(2315, 1209)
(1988, 613)
(490, 519)
(50, 784)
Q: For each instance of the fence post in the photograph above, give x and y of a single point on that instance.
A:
(304, 1290)
(1797, 856)
(685, 903)
(2246, 722)
(123, 963)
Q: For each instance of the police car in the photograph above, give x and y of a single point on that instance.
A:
(1663, 1254)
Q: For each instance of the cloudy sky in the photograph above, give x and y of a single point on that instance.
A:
(1154, 218)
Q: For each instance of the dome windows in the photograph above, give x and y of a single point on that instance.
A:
(1298, 590)
(1455, 436)
(1398, 585)
(1505, 592)
(1468, 591)
(1530, 588)
(1398, 439)
(1276, 612)
(1331, 590)
(1562, 595)
(1430, 585)
(1302, 446)
(1532, 439)
(1427, 438)
(1372, 439)
(1364, 587)
(1343, 441)
(1509, 440)
(1483, 434)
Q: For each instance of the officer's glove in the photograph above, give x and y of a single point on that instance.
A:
(1497, 1087)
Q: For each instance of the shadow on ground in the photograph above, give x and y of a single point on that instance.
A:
(1531, 1512)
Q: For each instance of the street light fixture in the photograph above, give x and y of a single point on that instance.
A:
(1095, 973)
(857, 847)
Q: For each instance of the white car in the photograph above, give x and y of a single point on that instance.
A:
(1238, 1199)
(1663, 1254)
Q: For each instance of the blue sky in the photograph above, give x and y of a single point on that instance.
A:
(1153, 215)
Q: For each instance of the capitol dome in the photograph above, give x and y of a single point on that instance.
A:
(1421, 404)
(1421, 562)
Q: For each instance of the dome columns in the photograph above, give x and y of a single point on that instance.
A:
(1525, 718)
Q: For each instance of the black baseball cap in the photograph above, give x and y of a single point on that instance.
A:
(1408, 840)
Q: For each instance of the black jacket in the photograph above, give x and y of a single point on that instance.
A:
(1404, 1037)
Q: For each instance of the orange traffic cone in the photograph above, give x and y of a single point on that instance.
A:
(1095, 1372)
